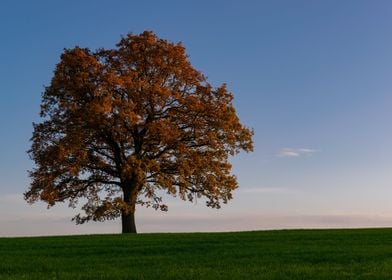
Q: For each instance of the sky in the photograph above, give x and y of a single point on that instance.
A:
(312, 78)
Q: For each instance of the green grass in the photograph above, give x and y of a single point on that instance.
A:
(291, 254)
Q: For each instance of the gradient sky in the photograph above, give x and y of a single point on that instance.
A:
(313, 78)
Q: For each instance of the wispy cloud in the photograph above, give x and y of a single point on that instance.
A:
(264, 190)
(295, 152)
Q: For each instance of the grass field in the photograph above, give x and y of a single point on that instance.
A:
(291, 254)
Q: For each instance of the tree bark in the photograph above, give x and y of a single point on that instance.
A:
(128, 217)
(128, 222)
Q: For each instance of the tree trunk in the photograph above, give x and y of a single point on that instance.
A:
(128, 222)
(128, 217)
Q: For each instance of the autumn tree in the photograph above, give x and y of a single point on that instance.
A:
(122, 126)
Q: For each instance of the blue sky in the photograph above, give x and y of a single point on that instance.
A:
(311, 77)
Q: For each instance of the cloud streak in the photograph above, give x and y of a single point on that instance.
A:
(265, 190)
(295, 152)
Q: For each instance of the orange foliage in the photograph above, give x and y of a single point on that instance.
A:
(118, 125)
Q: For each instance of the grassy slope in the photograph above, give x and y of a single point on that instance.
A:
(293, 254)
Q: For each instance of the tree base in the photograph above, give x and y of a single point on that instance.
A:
(128, 223)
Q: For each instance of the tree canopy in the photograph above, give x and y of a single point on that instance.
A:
(121, 126)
